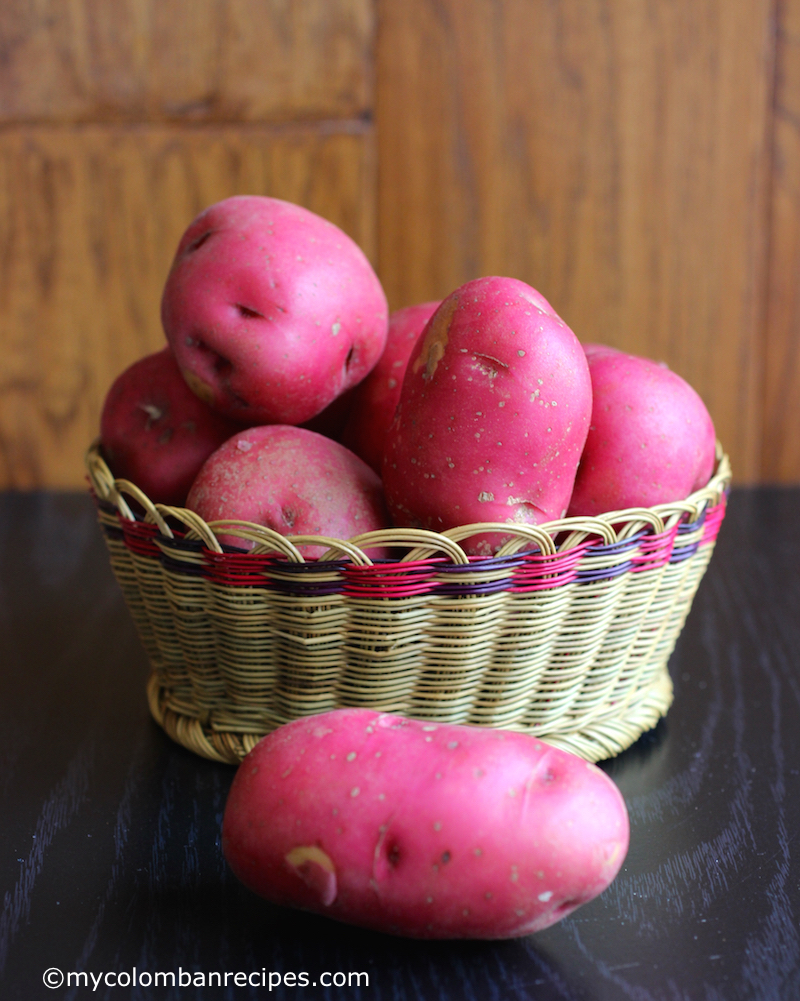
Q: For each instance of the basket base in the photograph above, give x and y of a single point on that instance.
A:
(599, 739)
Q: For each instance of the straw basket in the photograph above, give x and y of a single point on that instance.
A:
(564, 634)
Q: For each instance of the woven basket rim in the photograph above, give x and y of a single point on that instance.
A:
(612, 527)
(564, 633)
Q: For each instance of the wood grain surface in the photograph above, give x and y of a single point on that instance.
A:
(781, 456)
(613, 155)
(89, 221)
(185, 60)
(635, 160)
(110, 853)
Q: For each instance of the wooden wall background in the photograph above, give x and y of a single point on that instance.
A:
(638, 161)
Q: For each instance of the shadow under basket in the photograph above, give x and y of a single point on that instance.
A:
(565, 634)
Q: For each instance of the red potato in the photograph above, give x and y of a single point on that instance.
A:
(493, 414)
(375, 399)
(272, 311)
(422, 829)
(292, 480)
(155, 432)
(651, 439)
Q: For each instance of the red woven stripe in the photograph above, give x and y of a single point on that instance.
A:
(714, 518)
(391, 580)
(542, 573)
(654, 550)
(139, 536)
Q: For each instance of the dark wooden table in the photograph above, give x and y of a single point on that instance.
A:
(110, 842)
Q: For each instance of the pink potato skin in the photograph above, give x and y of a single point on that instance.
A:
(375, 399)
(421, 829)
(292, 480)
(651, 439)
(272, 311)
(493, 414)
(155, 432)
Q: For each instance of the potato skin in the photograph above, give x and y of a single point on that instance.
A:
(155, 432)
(271, 310)
(375, 399)
(292, 480)
(651, 439)
(493, 414)
(421, 829)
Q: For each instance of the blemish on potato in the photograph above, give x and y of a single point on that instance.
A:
(355, 791)
(436, 338)
(315, 867)
(198, 386)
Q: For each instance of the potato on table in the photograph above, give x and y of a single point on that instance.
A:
(422, 829)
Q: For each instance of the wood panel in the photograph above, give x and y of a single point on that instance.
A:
(252, 60)
(613, 154)
(781, 456)
(89, 221)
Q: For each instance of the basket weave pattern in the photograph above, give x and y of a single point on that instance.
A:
(564, 634)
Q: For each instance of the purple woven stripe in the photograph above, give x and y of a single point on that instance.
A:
(316, 566)
(179, 566)
(490, 563)
(613, 548)
(679, 555)
(685, 527)
(464, 590)
(603, 573)
(307, 589)
(113, 532)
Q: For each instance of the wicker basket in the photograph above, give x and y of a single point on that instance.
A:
(564, 634)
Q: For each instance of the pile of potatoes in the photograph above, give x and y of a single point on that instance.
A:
(287, 396)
